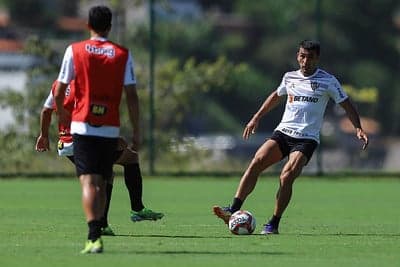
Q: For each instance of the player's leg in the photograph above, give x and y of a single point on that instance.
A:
(132, 176)
(290, 172)
(91, 185)
(93, 161)
(93, 199)
(268, 154)
(301, 153)
(134, 184)
(105, 227)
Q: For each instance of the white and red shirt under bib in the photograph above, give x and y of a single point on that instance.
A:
(99, 69)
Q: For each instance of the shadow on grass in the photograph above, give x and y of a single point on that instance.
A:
(187, 252)
(351, 234)
(284, 234)
(177, 236)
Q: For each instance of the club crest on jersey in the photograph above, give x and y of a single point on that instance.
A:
(314, 85)
(98, 110)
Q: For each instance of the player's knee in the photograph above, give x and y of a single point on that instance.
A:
(127, 157)
(288, 176)
(257, 162)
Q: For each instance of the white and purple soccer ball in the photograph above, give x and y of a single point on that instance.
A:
(242, 222)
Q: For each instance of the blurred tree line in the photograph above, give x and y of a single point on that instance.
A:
(213, 70)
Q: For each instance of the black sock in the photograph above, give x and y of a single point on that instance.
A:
(133, 182)
(274, 221)
(94, 230)
(236, 204)
(104, 219)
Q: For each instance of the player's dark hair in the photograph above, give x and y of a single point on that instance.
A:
(100, 18)
(311, 45)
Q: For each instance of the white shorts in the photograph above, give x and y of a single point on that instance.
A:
(65, 149)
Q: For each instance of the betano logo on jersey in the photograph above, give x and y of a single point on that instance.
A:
(302, 98)
(108, 51)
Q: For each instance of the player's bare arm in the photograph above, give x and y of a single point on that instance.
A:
(353, 116)
(59, 95)
(272, 101)
(42, 142)
(132, 101)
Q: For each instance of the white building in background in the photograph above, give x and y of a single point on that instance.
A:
(10, 80)
(13, 76)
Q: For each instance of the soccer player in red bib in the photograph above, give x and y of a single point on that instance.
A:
(101, 71)
(126, 157)
(308, 91)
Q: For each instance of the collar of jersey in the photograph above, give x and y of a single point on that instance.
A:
(102, 39)
(308, 77)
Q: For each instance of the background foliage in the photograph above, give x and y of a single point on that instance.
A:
(213, 70)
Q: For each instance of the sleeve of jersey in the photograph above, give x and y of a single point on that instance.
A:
(129, 71)
(336, 91)
(67, 72)
(49, 103)
(281, 90)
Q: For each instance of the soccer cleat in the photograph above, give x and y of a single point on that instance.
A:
(224, 213)
(93, 246)
(107, 231)
(269, 229)
(146, 214)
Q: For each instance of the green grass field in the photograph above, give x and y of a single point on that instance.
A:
(330, 222)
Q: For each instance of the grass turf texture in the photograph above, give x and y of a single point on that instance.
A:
(330, 222)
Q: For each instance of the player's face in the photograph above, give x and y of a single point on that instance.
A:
(308, 61)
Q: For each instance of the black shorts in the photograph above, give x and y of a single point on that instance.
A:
(289, 144)
(94, 154)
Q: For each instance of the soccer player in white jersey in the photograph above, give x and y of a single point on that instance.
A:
(307, 91)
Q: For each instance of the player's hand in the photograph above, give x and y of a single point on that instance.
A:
(122, 144)
(361, 135)
(250, 128)
(42, 144)
(135, 142)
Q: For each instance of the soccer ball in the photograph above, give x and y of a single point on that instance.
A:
(242, 222)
